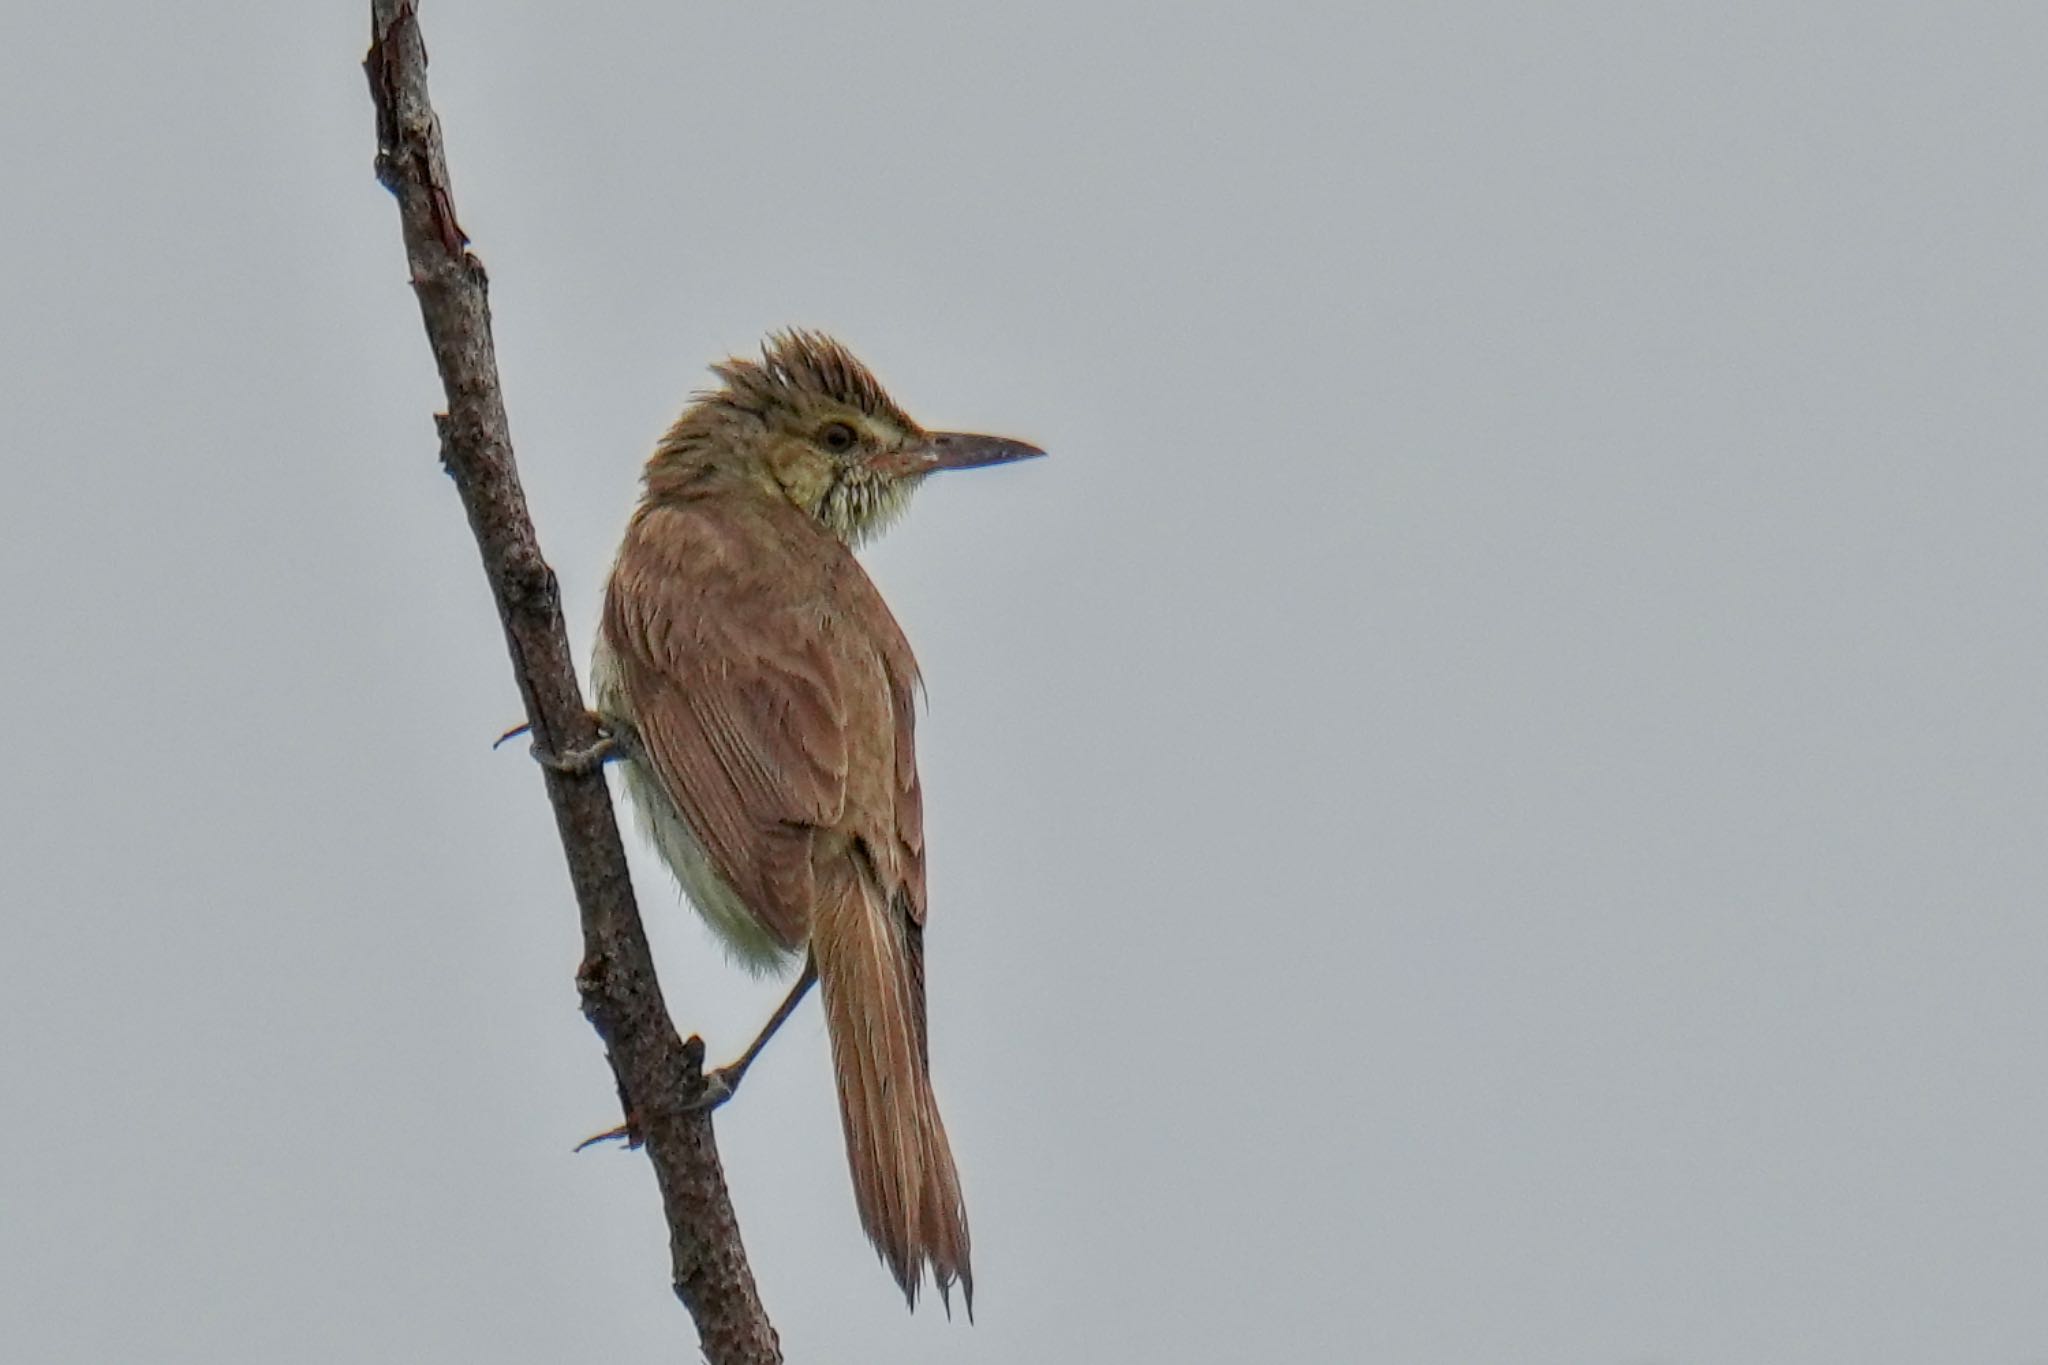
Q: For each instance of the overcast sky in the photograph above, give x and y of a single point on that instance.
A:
(1487, 805)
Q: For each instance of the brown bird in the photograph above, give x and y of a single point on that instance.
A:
(760, 695)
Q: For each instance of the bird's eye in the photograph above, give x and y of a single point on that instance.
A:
(837, 437)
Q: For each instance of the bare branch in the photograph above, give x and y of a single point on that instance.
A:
(659, 1076)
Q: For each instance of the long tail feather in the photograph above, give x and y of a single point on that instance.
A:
(904, 1181)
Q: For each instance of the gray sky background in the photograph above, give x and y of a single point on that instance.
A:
(1487, 805)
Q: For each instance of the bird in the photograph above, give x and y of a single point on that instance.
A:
(761, 698)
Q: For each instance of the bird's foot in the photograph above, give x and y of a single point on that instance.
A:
(576, 762)
(720, 1085)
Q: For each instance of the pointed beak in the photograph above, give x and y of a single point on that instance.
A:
(963, 450)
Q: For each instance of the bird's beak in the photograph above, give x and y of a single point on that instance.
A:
(962, 450)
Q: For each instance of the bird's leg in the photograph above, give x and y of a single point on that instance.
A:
(720, 1085)
(611, 744)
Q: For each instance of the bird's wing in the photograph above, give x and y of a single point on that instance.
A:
(908, 795)
(741, 711)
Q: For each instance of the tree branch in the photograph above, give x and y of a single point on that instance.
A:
(659, 1076)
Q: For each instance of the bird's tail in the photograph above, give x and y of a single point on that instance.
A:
(871, 972)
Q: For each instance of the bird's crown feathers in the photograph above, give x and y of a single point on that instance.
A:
(799, 367)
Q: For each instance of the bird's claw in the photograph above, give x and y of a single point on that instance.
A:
(719, 1086)
(576, 762)
(625, 1133)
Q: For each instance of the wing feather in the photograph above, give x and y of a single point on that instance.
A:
(773, 709)
(735, 698)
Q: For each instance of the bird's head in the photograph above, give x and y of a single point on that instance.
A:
(808, 422)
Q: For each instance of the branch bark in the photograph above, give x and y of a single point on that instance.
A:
(659, 1076)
